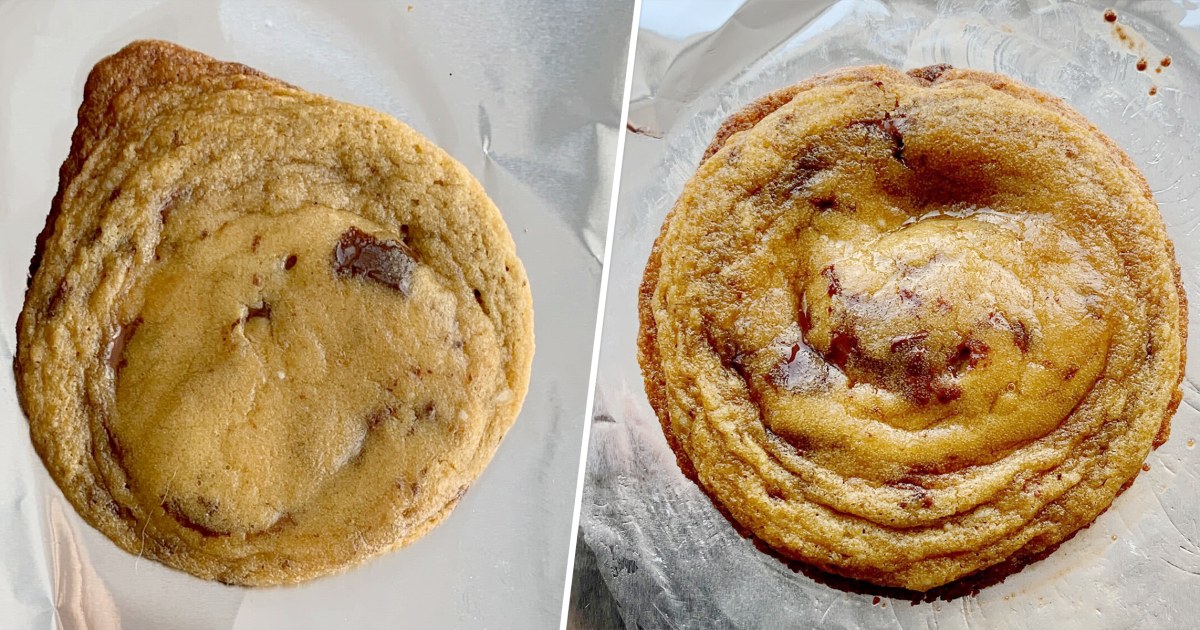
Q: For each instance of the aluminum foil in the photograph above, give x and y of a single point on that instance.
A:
(528, 95)
(654, 553)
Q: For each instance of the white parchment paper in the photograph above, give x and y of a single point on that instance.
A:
(527, 95)
(654, 553)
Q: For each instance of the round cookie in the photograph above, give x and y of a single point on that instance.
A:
(267, 335)
(906, 327)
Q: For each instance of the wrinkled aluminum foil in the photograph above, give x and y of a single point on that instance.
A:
(528, 95)
(653, 551)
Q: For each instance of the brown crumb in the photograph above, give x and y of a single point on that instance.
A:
(1110, 15)
(1141, 65)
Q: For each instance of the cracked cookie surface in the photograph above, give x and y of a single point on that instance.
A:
(267, 334)
(906, 327)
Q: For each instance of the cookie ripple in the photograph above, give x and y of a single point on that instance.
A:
(906, 327)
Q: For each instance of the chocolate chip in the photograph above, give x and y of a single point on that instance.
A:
(387, 262)
(1020, 333)
(1021, 336)
(946, 392)
(56, 299)
(290, 262)
(904, 341)
(263, 309)
(800, 370)
(842, 344)
(794, 178)
(830, 274)
(968, 354)
(172, 508)
(254, 243)
(918, 493)
(889, 126)
(117, 342)
(930, 73)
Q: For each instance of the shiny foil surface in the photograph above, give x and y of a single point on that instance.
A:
(527, 94)
(653, 551)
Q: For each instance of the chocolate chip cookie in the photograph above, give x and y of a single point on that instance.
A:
(267, 334)
(904, 327)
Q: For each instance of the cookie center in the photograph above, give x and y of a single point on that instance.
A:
(945, 343)
(265, 355)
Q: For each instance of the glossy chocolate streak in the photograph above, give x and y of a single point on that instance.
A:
(172, 509)
(384, 261)
(116, 344)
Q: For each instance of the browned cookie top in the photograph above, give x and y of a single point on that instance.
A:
(906, 326)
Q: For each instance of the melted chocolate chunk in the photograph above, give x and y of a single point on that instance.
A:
(969, 353)
(378, 417)
(260, 310)
(793, 179)
(116, 344)
(1020, 333)
(173, 510)
(842, 345)
(56, 299)
(825, 204)
(919, 494)
(905, 341)
(930, 73)
(387, 262)
(830, 275)
(889, 127)
(801, 370)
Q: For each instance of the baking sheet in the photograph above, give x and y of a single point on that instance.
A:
(654, 553)
(528, 96)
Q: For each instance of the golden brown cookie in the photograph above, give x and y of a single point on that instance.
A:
(906, 327)
(267, 334)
